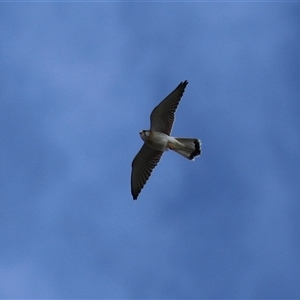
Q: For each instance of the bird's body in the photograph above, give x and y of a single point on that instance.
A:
(188, 147)
(158, 139)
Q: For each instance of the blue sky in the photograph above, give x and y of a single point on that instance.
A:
(79, 81)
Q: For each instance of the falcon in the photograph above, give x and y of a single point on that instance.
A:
(158, 139)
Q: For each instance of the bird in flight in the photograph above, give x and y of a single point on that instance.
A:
(158, 139)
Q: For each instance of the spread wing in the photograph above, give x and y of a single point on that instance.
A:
(142, 167)
(163, 115)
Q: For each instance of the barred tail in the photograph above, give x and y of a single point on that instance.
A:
(188, 147)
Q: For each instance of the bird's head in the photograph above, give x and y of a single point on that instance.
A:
(144, 134)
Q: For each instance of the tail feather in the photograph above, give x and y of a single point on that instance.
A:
(188, 147)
